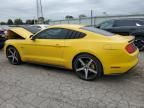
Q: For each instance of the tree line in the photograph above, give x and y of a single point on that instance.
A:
(68, 17)
(18, 22)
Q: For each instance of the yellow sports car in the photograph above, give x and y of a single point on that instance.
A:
(89, 51)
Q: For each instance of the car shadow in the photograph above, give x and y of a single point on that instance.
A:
(51, 68)
(68, 73)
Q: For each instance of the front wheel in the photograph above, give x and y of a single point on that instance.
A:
(140, 44)
(87, 67)
(13, 56)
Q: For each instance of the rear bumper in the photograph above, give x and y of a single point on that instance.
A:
(122, 65)
(123, 68)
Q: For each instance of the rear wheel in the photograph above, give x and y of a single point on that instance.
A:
(139, 42)
(87, 67)
(13, 56)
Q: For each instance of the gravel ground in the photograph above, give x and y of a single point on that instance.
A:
(34, 86)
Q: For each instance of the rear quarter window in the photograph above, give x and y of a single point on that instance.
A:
(72, 34)
(98, 31)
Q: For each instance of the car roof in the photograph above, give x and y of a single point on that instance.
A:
(128, 19)
(124, 19)
(75, 26)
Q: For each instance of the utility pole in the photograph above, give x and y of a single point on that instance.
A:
(34, 20)
(91, 17)
(39, 7)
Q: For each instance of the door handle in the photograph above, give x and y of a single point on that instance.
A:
(57, 44)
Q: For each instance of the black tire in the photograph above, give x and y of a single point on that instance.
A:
(87, 67)
(13, 55)
(139, 42)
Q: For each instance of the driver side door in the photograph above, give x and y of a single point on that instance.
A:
(47, 47)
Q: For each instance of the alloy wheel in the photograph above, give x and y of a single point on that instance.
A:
(13, 56)
(87, 68)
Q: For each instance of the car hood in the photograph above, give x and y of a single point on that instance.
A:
(24, 31)
(21, 32)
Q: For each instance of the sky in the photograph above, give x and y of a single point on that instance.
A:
(58, 9)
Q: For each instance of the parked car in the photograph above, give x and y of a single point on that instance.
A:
(90, 52)
(2, 37)
(126, 27)
(2, 41)
(41, 26)
(2, 31)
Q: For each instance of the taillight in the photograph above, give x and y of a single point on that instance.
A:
(131, 48)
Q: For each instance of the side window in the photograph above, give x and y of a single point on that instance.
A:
(106, 25)
(54, 33)
(139, 23)
(71, 34)
(131, 22)
(122, 23)
(38, 27)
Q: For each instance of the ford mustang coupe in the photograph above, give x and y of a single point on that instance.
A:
(89, 51)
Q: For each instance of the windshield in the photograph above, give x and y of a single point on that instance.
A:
(31, 29)
(98, 31)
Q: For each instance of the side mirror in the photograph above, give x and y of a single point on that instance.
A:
(32, 37)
